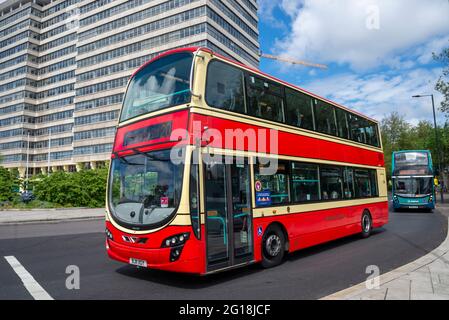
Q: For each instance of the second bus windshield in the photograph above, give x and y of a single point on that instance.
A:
(413, 186)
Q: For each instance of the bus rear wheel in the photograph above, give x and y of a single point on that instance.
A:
(367, 224)
(273, 247)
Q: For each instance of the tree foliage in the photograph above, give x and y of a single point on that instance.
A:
(86, 188)
(443, 83)
(398, 134)
(9, 184)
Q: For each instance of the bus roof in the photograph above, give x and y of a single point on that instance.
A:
(252, 69)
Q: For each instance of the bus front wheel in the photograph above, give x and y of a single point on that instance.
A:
(273, 247)
(367, 224)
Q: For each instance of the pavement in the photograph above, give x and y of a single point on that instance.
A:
(49, 215)
(46, 250)
(426, 278)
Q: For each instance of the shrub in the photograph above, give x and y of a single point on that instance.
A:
(9, 185)
(86, 188)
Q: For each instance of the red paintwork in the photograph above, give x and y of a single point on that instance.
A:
(191, 260)
(303, 230)
(179, 123)
(312, 228)
(293, 144)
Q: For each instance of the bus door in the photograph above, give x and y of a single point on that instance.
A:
(229, 238)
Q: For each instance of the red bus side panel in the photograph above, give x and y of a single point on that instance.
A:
(291, 144)
(312, 228)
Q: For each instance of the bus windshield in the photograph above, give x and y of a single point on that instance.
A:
(410, 159)
(413, 186)
(145, 189)
(161, 84)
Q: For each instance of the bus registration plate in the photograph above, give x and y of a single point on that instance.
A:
(137, 262)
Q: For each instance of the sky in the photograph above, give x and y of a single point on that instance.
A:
(378, 52)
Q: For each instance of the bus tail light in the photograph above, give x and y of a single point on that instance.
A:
(430, 199)
(175, 241)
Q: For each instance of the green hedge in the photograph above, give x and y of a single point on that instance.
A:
(86, 188)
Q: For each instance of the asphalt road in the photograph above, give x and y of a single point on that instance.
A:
(46, 250)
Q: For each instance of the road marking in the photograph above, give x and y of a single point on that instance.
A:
(33, 287)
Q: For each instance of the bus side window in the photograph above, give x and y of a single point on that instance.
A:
(224, 88)
(274, 187)
(348, 183)
(357, 129)
(325, 118)
(298, 109)
(265, 99)
(342, 121)
(363, 184)
(331, 183)
(373, 178)
(305, 182)
(371, 131)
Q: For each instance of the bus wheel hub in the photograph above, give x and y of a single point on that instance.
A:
(273, 245)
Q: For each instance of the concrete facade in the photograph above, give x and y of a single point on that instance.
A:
(64, 66)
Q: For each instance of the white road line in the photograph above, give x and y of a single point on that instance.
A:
(29, 282)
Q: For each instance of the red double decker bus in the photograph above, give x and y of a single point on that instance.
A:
(217, 165)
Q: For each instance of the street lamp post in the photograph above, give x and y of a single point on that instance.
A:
(437, 141)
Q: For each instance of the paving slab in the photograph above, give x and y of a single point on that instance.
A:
(49, 215)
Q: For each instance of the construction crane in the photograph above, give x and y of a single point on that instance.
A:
(293, 61)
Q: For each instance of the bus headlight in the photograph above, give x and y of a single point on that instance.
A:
(430, 199)
(109, 234)
(175, 241)
(175, 253)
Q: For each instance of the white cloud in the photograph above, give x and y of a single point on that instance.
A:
(337, 31)
(379, 94)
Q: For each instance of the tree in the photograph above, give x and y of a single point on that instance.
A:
(395, 136)
(442, 85)
(398, 135)
(8, 185)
